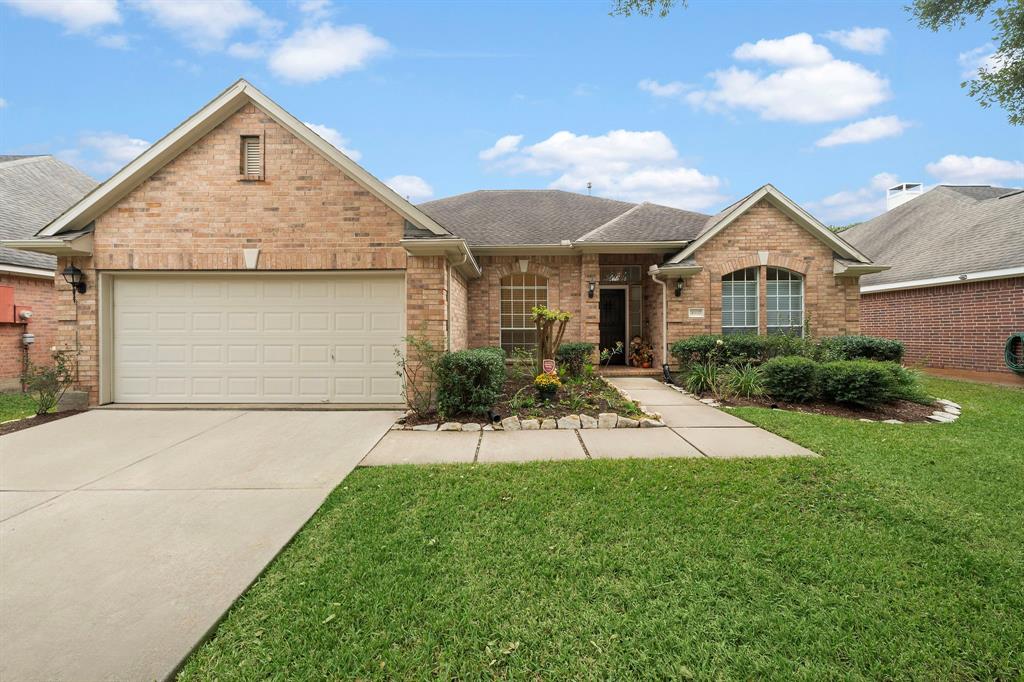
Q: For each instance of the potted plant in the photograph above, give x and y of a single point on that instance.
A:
(640, 353)
(547, 385)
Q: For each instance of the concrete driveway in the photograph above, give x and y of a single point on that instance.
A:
(125, 535)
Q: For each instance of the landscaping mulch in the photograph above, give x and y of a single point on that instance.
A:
(596, 396)
(904, 410)
(29, 422)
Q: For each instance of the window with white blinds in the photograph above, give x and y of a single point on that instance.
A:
(252, 155)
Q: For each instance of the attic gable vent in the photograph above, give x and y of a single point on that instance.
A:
(252, 156)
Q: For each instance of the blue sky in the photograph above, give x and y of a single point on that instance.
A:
(830, 102)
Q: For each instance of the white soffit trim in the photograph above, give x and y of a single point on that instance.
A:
(195, 127)
(464, 259)
(1003, 273)
(80, 245)
(787, 206)
(26, 271)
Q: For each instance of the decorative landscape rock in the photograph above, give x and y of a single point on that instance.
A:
(627, 423)
(647, 423)
(425, 427)
(450, 426)
(942, 417)
(948, 403)
(471, 426)
(548, 424)
(487, 427)
(588, 422)
(570, 422)
(530, 424)
(510, 424)
(607, 420)
(397, 426)
(952, 410)
(891, 421)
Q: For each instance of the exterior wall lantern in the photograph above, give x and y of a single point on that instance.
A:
(591, 286)
(679, 287)
(76, 278)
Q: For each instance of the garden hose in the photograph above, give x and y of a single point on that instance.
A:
(1013, 361)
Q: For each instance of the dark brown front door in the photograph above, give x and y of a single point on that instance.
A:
(613, 322)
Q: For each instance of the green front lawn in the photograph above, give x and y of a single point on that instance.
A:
(898, 555)
(15, 406)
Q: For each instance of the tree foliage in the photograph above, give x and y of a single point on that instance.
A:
(1001, 81)
(645, 8)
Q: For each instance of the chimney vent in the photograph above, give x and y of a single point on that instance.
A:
(897, 195)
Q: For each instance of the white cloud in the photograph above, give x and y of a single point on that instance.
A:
(312, 54)
(980, 58)
(315, 9)
(76, 16)
(104, 153)
(623, 164)
(954, 169)
(671, 89)
(247, 50)
(3, 103)
(412, 187)
(335, 138)
(867, 130)
(207, 24)
(505, 145)
(855, 205)
(798, 49)
(867, 40)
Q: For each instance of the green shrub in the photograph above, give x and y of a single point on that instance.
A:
(46, 385)
(858, 382)
(791, 378)
(745, 380)
(738, 349)
(697, 350)
(907, 384)
(469, 381)
(574, 357)
(860, 348)
(704, 378)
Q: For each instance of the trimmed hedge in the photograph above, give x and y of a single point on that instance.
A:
(791, 378)
(860, 348)
(857, 382)
(574, 357)
(738, 349)
(469, 381)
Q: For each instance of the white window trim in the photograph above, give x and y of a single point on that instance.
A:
(757, 302)
(803, 298)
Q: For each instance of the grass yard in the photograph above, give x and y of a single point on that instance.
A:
(898, 555)
(15, 406)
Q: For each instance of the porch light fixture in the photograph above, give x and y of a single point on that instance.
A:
(76, 278)
(591, 286)
(679, 287)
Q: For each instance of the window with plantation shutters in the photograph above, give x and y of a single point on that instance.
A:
(252, 156)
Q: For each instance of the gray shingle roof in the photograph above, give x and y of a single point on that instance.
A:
(33, 191)
(945, 231)
(531, 217)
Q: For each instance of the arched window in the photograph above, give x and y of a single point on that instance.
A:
(739, 302)
(785, 302)
(520, 293)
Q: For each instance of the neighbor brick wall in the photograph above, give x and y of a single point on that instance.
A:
(196, 214)
(958, 326)
(830, 301)
(39, 295)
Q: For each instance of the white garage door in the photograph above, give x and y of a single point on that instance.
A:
(257, 338)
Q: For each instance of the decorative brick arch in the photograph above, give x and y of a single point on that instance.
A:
(797, 265)
(533, 268)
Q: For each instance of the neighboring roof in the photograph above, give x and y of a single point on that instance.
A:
(549, 217)
(199, 124)
(947, 231)
(33, 191)
(719, 222)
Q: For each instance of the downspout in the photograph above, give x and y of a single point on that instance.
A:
(664, 319)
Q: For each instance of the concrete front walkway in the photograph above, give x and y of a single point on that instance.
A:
(126, 535)
(694, 430)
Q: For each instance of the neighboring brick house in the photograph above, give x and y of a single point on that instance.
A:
(33, 191)
(955, 292)
(244, 259)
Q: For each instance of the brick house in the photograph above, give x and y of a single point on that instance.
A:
(33, 191)
(955, 291)
(244, 259)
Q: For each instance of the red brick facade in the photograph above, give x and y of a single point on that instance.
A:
(957, 326)
(38, 295)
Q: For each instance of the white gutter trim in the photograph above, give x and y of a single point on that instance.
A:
(445, 247)
(1002, 273)
(80, 245)
(26, 271)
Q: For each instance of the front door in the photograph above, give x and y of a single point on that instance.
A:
(613, 322)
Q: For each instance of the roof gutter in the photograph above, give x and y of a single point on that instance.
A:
(72, 245)
(456, 250)
(980, 276)
(25, 271)
(847, 268)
